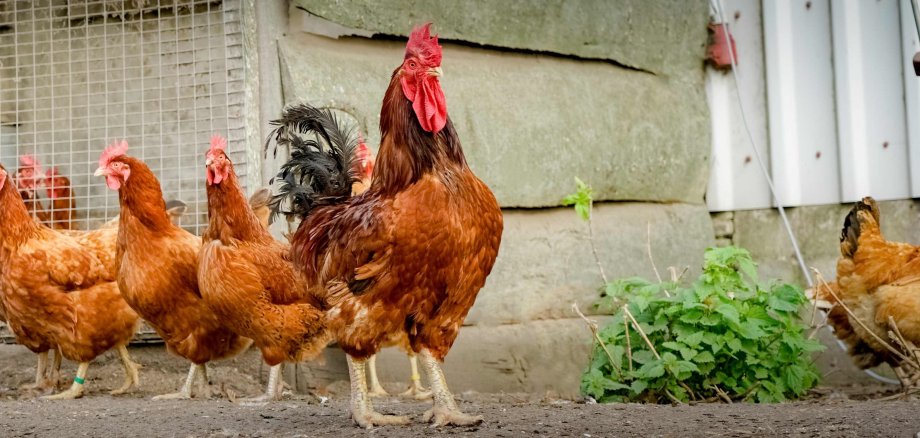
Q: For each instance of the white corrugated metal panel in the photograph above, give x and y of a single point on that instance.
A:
(910, 43)
(843, 105)
(800, 101)
(736, 181)
(870, 100)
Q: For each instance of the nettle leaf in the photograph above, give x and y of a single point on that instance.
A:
(729, 312)
(638, 386)
(693, 339)
(724, 329)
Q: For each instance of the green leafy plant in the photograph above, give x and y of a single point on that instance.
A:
(725, 336)
(581, 199)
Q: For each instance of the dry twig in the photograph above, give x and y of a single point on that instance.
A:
(597, 338)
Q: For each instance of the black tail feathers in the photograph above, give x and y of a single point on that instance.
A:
(849, 235)
(321, 169)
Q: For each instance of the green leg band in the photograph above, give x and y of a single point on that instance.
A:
(79, 380)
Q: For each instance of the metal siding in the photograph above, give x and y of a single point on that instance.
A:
(911, 45)
(870, 92)
(736, 180)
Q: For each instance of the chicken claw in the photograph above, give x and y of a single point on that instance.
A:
(131, 377)
(362, 410)
(445, 411)
(41, 382)
(376, 390)
(273, 392)
(185, 392)
(76, 390)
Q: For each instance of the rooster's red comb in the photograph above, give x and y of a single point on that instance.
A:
(218, 143)
(29, 160)
(424, 46)
(115, 149)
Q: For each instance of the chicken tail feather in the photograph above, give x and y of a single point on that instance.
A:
(321, 169)
(853, 226)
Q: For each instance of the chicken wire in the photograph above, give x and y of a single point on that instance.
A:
(165, 75)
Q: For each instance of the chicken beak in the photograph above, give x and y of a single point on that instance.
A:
(208, 162)
(99, 172)
(436, 72)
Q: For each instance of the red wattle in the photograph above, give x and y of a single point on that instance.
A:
(428, 102)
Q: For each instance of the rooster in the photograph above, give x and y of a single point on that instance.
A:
(63, 204)
(247, 279)
(364, 167)
(158, 270)
(876, 280)
(28, 178)
(403, 261)
(57, 294)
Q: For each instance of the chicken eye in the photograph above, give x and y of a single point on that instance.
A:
(412, 64)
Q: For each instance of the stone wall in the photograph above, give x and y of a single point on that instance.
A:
(611, 92)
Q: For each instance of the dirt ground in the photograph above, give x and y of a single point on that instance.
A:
(830, 413)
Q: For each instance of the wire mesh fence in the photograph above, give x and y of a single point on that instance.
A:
(76, 75)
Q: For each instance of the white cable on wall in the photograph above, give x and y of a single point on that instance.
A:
(717, 6)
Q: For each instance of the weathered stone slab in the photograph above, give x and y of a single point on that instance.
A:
(658, 36)
(545, 262)
(530, 123)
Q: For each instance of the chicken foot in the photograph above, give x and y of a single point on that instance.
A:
(185, 392)
(274, 390)
(42, 382)
(376, 390)
(131, 377)
(445, 409)
(416, 390)
(362, 410)
(76, 389)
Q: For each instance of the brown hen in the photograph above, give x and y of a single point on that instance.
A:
(876, 280)
(57, 294)
(247, 279)
(158, 270)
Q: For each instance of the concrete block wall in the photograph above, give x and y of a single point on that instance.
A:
(611, 92)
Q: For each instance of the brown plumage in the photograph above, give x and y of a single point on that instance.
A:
(56, 293)
(247, 279)
(407, 257)
(876, 279)
(158, 269)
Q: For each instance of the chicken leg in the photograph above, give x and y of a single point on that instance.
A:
(56, 369)
(362, 410)
(445, 409)
(376, 390)
(76, 389)
(41, 382)
(416, 390)
(186, 391)
(131, 377)
(274, 390)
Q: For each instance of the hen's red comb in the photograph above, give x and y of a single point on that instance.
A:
(423, 45)
(218, 143)
(52, 172)
(29, 160)
(115, 149)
